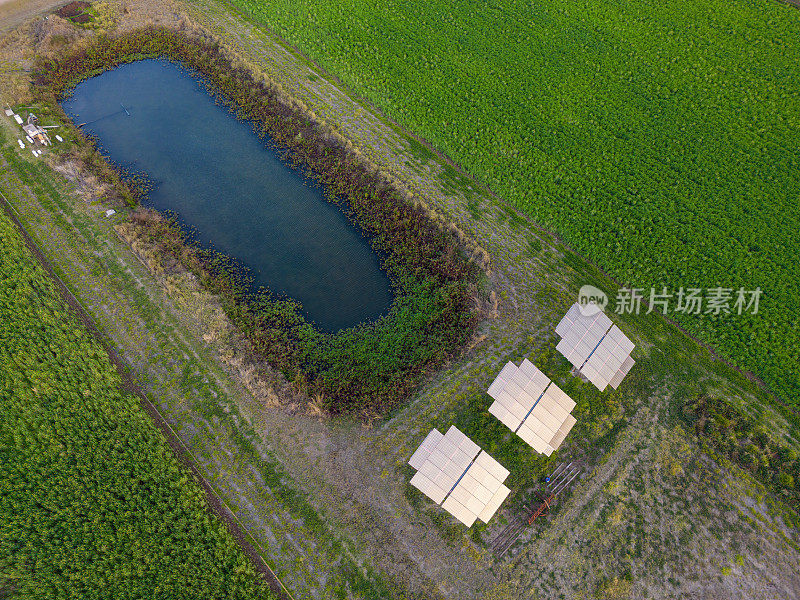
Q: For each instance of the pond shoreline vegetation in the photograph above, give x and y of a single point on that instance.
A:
(364, 370)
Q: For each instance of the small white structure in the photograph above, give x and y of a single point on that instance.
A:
(59, 138)
(595, 346)
(21, 144)
(30, 140)
(453, 471)
(18, 119)
(110, 212)
(9, 112)
(532, 406)
(36, 133)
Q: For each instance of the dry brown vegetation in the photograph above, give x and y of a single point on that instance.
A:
(207, 312)
(73, 8)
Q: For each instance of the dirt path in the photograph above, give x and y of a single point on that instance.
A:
(15, 12)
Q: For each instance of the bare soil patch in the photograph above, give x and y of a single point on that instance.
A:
(73, 9)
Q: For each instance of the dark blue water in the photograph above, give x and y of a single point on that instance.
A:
(236, 193)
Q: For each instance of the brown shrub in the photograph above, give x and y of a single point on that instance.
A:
(73, 9)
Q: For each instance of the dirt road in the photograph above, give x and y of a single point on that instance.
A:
(16, 12)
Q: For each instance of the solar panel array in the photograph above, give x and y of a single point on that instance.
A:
(532, 406)
(453, 471)
(595, 347)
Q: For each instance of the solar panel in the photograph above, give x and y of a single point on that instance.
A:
(504, 416)
(620, 374)
(492, 467)
(603, 352)
(568, 320)
(459, 511)
(537, 384)
(562, 398)
(551, 405)
(424, 451)
(518, 378)
(614, 361)
(429, 487)
(513, 389)
(626, 366)
(595, 346)
(545, 418)
(453, 471)
(478, 487)
(467, 445)
(531, 405)
(533, 439)
(591, 373)
(603, 321)
(604, 364)
(569, 352)
(519, 390)
(494, 503)
(563, 431)
(580, 340)
(497, 386)
(527, 368)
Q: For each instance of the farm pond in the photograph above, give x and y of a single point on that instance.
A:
(231, 190)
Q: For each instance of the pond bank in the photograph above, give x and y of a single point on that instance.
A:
(231, 190)
(365, 370)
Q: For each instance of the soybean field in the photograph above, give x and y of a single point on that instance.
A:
(94, 504)
(661, 140)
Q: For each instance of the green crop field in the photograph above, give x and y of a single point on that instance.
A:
(659, 139)
(93, 504)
